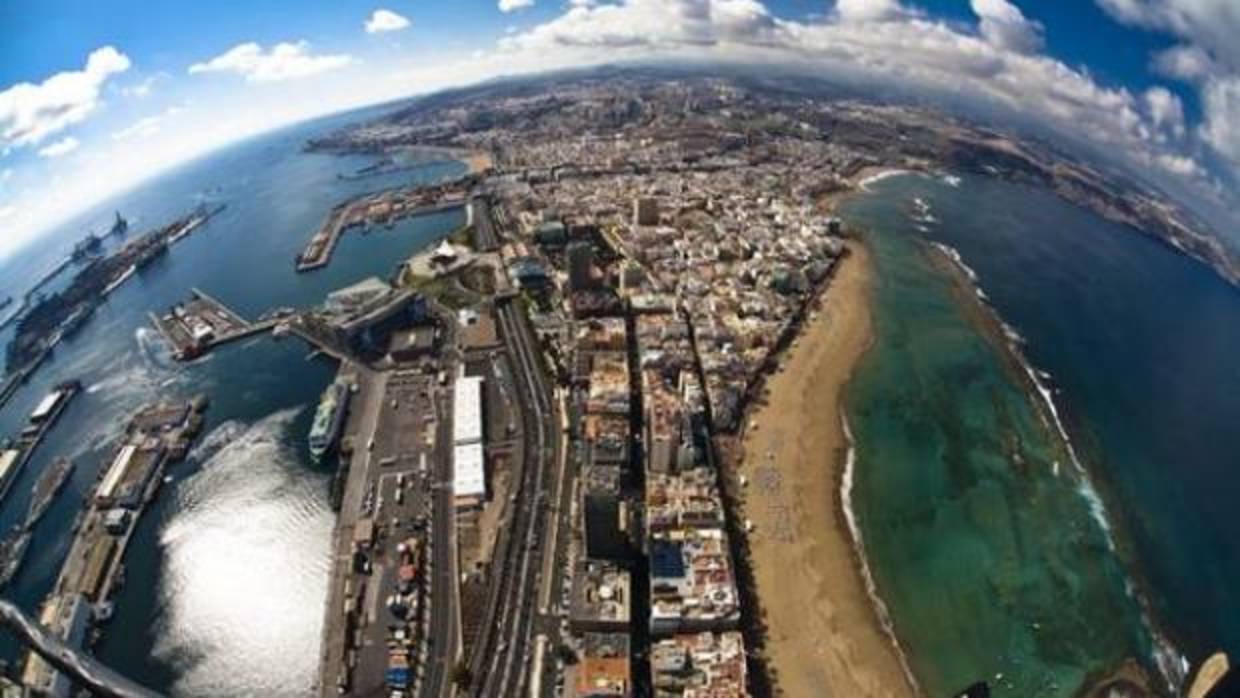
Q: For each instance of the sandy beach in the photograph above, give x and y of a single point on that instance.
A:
(823, 636)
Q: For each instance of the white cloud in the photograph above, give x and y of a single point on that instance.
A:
(1005, 26)
(1208, 56)
(142, 88)
(146, 126)
(7, 212)
(867, 10)
(382, 20)
(1187, 63)
(1165, 110)
(1220, 100)
(30, 113)
(512, 5)
(64, 146)
(284, 61)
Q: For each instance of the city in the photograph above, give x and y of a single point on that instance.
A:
(596, 368)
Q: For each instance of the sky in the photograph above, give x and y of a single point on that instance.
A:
(96, 97)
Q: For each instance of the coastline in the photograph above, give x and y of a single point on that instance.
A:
(824, 631)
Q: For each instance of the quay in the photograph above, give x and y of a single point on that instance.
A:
(392, 600)
(156, 436)
(382, 208)
(17, 453)
(202, 323)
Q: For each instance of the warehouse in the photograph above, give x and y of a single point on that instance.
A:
(469, 484)
(467, 411)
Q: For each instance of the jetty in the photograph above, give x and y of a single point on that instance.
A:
(382, 208)
(156, 436)
(202, 323)
(18, 451)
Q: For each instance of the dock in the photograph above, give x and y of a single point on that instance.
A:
(203, 323)
(383, 208)
(156, 436)
(18, 452)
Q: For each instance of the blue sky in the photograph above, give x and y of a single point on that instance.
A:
(130, 88)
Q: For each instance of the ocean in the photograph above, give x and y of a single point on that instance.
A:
(998, 558)
(226, 576)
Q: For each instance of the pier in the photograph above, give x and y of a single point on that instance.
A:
(156, 436)
(202, 323)
(384, 208)
(15, 456)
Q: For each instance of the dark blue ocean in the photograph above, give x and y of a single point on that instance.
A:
(1139, 345)
(226, 578)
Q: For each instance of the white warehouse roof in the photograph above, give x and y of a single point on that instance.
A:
(469, 473)
(467, 410)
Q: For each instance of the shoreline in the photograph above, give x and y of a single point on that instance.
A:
(824, 631)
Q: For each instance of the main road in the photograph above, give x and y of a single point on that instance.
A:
(502, 654)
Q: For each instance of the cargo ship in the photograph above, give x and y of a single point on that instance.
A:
(328, 419)
(12, 553)
(49, 484)
(120, 226)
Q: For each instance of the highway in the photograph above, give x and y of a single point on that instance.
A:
(443, 635)
(504, 652)
(501, 651)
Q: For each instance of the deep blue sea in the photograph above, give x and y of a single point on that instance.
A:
(1139, 345)
(226, 577)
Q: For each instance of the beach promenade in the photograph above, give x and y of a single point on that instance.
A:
(823, 635)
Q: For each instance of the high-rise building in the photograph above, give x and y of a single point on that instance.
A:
(646, 211)
(580, 256)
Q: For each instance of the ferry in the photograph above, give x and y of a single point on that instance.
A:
(328, 419)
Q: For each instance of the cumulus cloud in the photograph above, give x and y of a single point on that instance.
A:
(30, 113)
(867, 10)
(1005, 26)
(382, 20)
(1165, 110)
(513, 5)
(64, 146)
(1208, 57)
(650, 23)
(284, 61)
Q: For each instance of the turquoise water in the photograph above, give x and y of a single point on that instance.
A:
(226, 575)
(990, 561)
(990, 564)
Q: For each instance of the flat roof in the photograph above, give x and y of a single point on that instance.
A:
(469, 471)
(467, 410)
(7, 460)
(117, 470)
(46, 406)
